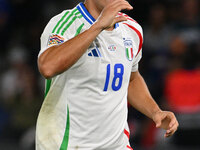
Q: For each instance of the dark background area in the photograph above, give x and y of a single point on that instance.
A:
(170, 66)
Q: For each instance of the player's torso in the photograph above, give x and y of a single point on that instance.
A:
(92, 93)
(110, 56)
(96, 88)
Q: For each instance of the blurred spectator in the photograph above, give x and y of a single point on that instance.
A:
(4, 23)
(188, 26)
(182, 91)
(157, 36)
(158, 33)
(19, 94)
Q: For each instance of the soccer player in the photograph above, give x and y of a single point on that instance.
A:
(90, 56)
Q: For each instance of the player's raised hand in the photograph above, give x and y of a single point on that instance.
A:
(108, 16)
(166, 120)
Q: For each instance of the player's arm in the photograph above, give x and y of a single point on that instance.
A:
(58, 59)
(140, 98)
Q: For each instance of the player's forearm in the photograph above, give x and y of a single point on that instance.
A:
(139, 96)
(58, 59)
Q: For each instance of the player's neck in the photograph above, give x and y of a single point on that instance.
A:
(92, 9)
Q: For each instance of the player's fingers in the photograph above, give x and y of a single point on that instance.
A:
(116, 6)
(158, 123)
(158, 119)
(174, 127)
(172, 130)
(115, 10)
(116, 2)
(172, 122)
(123, 6)
(120, 5)
(169, 134)
(120, 19)
(172, 117)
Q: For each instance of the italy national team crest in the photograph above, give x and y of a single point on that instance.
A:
(55, 40)
(128, 49)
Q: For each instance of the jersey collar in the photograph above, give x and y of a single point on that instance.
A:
(87, 15)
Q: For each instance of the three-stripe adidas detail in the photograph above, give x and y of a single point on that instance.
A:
(66, 21)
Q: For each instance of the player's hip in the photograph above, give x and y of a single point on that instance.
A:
(67, 141)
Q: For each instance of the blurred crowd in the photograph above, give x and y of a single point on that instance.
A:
(170, 66)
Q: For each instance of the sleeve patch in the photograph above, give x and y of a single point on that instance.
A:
(55, 40)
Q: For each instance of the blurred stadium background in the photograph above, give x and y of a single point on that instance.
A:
(170, 66)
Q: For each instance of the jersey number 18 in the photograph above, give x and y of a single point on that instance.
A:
(118, 77)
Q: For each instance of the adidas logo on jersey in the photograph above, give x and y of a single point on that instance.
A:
(94, 53)
(94, 49)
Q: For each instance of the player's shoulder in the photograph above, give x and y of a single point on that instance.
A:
(132, 27)
(55, 19)
(63, 15)
(62, 22)
(131, 23)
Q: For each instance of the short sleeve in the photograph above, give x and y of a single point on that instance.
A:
(50, 37)
(138, 30)
(135, 65)
(137, 35)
